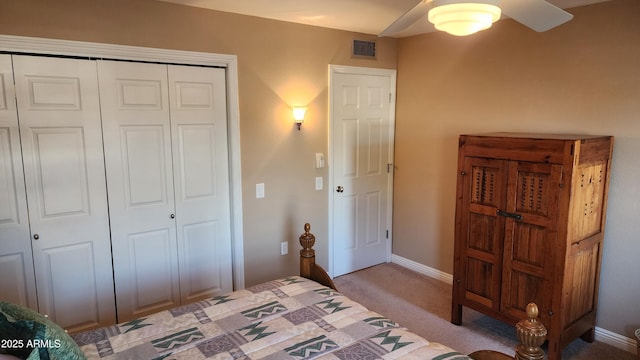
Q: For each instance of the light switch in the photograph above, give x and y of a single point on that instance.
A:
(260, 191)
(319, 160)
(319, 183)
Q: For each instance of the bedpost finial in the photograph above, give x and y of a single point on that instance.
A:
(532, 311)
(307, 240)
(531, 334)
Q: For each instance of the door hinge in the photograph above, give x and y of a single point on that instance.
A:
(390, 96)
(387, 234)
(389, 167)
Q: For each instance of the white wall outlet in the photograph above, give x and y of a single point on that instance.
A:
(284, 248)
(260, 191)
(318, 182)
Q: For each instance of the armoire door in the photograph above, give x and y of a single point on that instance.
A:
(508, 231)
(482, 231)
(59, 114)
(198, 107)
(530, 237)
(17, 282)
(137, 141)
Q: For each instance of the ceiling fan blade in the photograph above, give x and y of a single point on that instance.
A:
(407, 19)
(538, 15)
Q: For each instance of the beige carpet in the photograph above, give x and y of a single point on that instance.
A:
(423, 305)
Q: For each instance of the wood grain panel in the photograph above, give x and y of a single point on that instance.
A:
(588, 200)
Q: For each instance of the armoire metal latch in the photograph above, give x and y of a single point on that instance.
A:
(510, 215)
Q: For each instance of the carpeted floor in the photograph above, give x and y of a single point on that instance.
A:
(423, 305)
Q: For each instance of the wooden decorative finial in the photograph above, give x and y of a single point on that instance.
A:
(307, 240)
(532, 312)
(307, 254)
(308, 267)
(531, 334)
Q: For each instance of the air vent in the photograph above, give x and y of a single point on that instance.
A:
(364, 49)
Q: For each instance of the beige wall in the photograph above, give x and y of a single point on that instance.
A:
(583, 77)
(280, 64)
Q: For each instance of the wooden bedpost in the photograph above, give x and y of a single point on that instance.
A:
(308, 267)
(531, 334)
(307, 254)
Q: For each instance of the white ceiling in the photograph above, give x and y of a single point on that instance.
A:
(364, 16)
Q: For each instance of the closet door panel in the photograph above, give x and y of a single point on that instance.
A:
(17, 283)
(144, 165)
(152, 273)
(136, 128)
(200, 157)
(61, 138)
(61, 183)
(70, 284)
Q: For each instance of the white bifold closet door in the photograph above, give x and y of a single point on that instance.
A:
(165, 137)
(17, 279)
(59, 115)
(198, 104)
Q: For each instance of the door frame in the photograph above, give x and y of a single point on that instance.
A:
(356, 70)
(43, 46)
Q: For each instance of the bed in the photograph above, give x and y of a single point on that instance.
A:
(295, 317)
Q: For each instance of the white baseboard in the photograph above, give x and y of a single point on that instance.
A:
(616, 340)
(602, 335)
(422, 269)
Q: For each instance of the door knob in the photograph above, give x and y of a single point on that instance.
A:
(173, 216)
(340, 189)
(36, 236)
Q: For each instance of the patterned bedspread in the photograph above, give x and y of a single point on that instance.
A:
(290, 318)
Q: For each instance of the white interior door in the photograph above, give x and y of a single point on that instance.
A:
(361, 155)
(201, 180)
(59, 116)
(137, 139)
(17, 283)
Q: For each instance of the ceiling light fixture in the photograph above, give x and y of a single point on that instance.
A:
(461, 18)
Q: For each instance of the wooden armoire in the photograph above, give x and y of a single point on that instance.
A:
(530, 216)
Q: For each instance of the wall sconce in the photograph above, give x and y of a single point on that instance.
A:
(298, 114)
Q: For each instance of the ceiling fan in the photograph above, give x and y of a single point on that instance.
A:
(465, 17)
